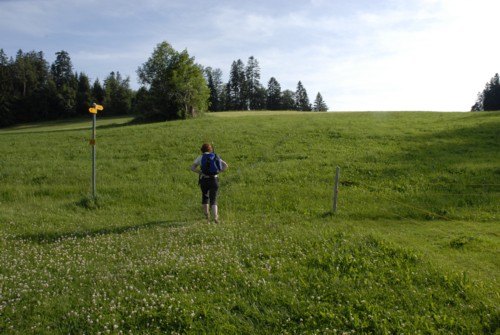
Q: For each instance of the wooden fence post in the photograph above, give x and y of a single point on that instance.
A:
(336, 189)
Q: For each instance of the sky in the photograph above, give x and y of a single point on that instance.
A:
(361, 55)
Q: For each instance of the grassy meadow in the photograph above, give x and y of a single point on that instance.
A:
(413, 247)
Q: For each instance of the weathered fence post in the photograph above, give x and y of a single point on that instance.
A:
(336, 189)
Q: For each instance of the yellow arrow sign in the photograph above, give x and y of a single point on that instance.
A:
(99, 107)
(93, 110)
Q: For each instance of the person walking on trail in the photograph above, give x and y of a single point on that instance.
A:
(208, 165)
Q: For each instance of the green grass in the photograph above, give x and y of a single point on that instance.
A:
(413, 247)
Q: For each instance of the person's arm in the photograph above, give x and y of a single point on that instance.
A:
(196, 164)
(195, 169)
(224, 165)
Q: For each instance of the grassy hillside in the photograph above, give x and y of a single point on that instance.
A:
(413, 247)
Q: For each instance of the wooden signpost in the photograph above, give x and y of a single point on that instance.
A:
(93, 110)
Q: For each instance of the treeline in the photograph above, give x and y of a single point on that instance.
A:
(244, 91)
(173, 86)
(489, 98)
(31, 89)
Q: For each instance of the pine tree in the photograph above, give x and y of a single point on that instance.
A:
(253, 86)
(273, 95)
(66, 83)
(97, 92)
(214, 81)
(301, 99)
(62, 69)
(7, 113)
(118, 96)
(83, 95)
(288, 100)
(489, 98)
(236, 87)
(319, 104)
(30, 76)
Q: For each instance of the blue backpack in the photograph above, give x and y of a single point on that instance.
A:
(210, 164)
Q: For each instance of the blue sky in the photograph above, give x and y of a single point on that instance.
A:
(360, 54)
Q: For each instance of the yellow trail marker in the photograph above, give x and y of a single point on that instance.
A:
(99, 107)
(93, 110)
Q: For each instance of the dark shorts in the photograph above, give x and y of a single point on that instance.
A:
(209, 189)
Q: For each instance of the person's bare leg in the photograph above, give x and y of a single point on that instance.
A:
(206, 211)
(215, 212)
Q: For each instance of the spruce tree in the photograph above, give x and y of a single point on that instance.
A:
(253, 87)
(118, 96)
(7, 112)
(489, 98)
(273, 95)
(83, 95)
(301, 99)
(216, 87)
(66, 83)
(319, 104)
(236, 87)
(97, 92)
(288, 100)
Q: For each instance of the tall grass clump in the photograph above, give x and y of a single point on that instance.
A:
(412, 248)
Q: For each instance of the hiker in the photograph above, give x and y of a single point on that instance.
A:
(208, 165)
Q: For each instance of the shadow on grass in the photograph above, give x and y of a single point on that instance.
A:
(71, 125)
(53, 237)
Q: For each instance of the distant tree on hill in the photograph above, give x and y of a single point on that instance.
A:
(236, 87)
(216, 87)
(66, 84)
(489, 98)
(7, 116)
(62, 69)
(253, 89)
(189, 88)
(301, 99)
(29, 79)
(273, 95)
(174, 85)
(83, 95)
(155, 75)
(6, 91)
(98, 92)
(319, 104)
(118, 95)
(244, 91)
(288, 100)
